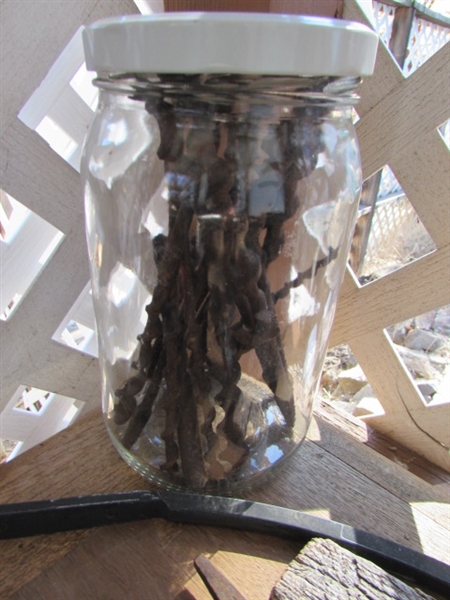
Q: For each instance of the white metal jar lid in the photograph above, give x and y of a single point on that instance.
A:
(242, 43)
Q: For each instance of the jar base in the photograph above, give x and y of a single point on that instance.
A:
(261, 442)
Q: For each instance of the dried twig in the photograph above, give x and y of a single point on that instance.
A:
(213, 301)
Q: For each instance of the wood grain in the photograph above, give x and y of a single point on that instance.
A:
(362, 310)
(417, 105)
(409, 419)
(324, 8)
(156, 558)
(398, 127)
(334, 475)
(325, 570)
(46, 34)
(436, 481)
(430, 158)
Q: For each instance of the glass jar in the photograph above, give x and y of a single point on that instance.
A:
(221, 186)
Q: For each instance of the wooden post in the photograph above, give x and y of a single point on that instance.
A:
(217, 5)
(326, 8)
(363, 226)
(401, 29)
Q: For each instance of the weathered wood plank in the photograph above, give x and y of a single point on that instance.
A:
(325, 570)
(435, 481)
(329, 8)
(253, 575)
(217, 5)
(155, 560)
(316, 480)
(321, 483)
(401, 29)
(325, 8)
(431, 500)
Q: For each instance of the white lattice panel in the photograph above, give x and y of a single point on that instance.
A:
(426, 39)
(33, 37)
(389, 184)
(398, 126)
(384, 19)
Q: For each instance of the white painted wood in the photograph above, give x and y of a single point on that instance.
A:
(398, 127)
(27, 336)
(429, 189)
(36, 37)
(85, 313)
(32, 428)
(82, 312)
(410, 291)
(417, 105)
(423, 429)
(25, 249)
(36, 176)
(41, 180)
(72, 114)
(82, 309)
(148, 7)
(54, 83)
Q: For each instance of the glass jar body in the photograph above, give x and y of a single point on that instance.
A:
(218, 226)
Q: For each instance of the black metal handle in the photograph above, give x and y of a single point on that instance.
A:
(49, 516)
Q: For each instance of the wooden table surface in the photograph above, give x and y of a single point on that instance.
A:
(335, 475)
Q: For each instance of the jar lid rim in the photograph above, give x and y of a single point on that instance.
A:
(227, 42)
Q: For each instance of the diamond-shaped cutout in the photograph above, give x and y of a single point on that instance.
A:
(444, 131)
(27, 244)
(9, 449)
(388, 233)
(344, 384)
(61, 108)
(33, 400)
(32, 416)
(423, 344)
(148, 7)
(77, 330)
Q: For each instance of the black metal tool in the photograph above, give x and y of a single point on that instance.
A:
(49, 516)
